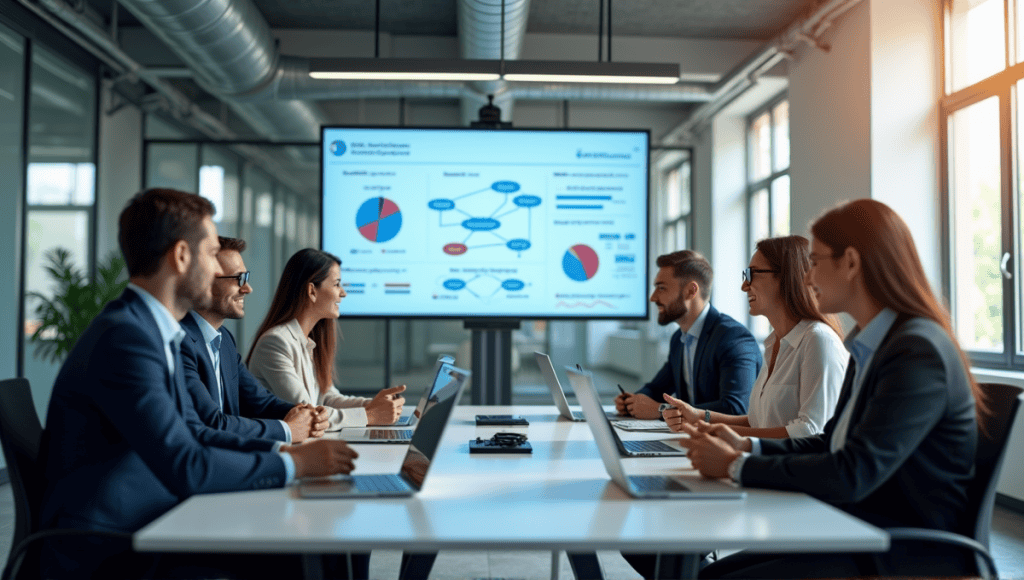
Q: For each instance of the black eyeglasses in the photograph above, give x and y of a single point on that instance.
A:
(748, 273)
(242, 278)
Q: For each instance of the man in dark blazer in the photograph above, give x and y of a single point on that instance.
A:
(117, 451)
(713, 360)
(229, 397)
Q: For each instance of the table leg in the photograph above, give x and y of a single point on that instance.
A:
(312, 567)
(555, 556)
(676, 566)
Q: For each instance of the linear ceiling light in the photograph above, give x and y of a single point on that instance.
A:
(404, 69)
(591, 72)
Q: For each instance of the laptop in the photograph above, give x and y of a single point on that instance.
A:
(546, 369)
(638, 486)
(410, 419)
(386, 434)
(444, 395)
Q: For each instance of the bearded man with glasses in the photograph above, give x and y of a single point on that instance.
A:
(224, 392)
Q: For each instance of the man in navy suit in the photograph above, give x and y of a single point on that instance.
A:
(224, 392)
(118, 451)
(713, 360)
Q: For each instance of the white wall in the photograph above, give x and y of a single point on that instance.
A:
(830, 106)
(119, 170)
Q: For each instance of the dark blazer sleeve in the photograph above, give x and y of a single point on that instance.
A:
(733, 355)
(904, 398)
(254, 399)
(666, 379)
(207, 409)
(133, 396)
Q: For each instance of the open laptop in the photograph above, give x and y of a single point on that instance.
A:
(626, 448)
(546, 369)
(639, 486)
(444, 395)
(410, 419)
(385, 433)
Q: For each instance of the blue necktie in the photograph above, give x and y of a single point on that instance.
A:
(215, 347)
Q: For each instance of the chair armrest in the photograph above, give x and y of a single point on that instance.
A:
(949, 538)
(17, 555)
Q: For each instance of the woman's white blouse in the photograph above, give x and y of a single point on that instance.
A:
(802, 392)
(282, 360)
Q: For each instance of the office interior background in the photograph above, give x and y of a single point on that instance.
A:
(783, 109)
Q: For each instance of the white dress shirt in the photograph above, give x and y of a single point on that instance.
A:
(803, 389)
(282, 360)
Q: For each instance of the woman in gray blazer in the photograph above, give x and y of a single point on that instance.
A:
(293, 354)
(900, 449)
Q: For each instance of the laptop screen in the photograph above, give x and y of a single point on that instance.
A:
(444, 395)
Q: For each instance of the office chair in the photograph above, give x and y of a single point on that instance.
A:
(1003, 402)
(21, 435)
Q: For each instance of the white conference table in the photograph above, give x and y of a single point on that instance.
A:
(557, 498)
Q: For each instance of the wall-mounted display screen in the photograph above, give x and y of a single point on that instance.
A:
(468, 223)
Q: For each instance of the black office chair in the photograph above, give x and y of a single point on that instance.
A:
(21, 435)
(1003, 403)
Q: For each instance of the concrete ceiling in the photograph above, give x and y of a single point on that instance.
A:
(732, 19)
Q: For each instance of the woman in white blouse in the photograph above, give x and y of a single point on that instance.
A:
(293, 355)
(795, 394)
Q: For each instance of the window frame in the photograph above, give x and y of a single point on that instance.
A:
(684, 218)
(1003, 86)
(764, 183)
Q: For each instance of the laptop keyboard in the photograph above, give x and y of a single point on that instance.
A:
(379, 483)
(390, 434)
(656, 483)
(648, 446)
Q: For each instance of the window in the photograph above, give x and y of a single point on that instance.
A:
(982, 155)
(767, 180)
(676, 196)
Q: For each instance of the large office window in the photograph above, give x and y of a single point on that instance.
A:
(981, 137)
(676, 197)
(768, 171)
(60, 180)
(767, 180)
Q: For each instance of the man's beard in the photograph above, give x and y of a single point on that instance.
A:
(672, 312)
(196, 290)
(222, 306)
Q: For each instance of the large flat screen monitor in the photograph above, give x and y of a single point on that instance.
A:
(471, 223)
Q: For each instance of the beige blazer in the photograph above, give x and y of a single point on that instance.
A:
(282, 360)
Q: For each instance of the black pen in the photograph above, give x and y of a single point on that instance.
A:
(621, 390)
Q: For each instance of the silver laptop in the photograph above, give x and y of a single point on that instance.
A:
(410, 419)
(444, 395)
(639, 486)
(387, 434)
(548, 370)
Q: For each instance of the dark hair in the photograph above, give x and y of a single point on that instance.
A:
(791, 256)
(308, 266)
(156, 219)
(893, 275)
(688, 265)
(233, 244)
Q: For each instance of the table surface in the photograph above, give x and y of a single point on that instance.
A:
(557, 498)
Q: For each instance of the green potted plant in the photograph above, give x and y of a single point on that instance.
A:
(76, 300)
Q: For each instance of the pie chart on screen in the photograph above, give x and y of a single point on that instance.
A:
(378, 219)
(580, 262)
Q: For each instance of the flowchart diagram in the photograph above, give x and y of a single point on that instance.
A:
(486, 231)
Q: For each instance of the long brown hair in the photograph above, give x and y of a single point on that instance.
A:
(791, 257)
(308, 266)
(893, 275)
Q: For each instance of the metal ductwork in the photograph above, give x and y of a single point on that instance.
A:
(482, 35)
(228, 44)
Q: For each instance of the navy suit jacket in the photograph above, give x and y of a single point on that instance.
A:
(909, 452)
(119, 448)
(250, 410)
(725, 364)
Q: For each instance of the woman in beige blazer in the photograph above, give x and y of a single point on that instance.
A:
(293, 355)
